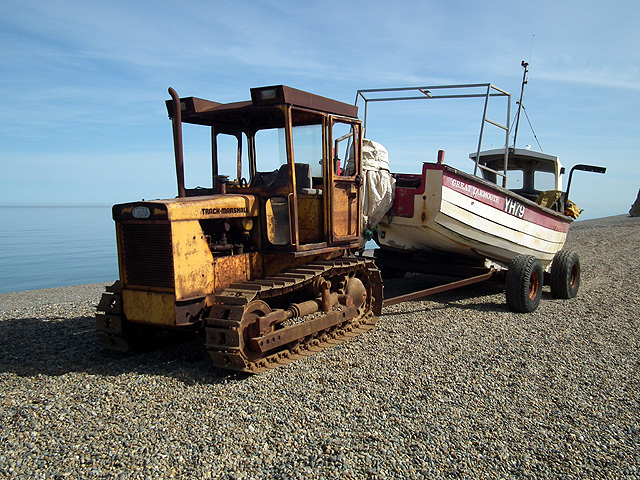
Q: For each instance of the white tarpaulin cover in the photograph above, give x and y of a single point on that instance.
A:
(378, 185)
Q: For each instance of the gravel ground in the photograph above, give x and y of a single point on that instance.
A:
(451, 387)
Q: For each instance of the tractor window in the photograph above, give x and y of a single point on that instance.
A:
(344, 136)
(228, 156)
(197, 156)
(271, 151)
(271, 154)
(307, 147)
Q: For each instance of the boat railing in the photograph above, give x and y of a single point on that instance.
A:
(438, 92)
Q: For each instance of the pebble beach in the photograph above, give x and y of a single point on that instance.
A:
(453, 386)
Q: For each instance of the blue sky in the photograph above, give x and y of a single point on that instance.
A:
(84, 83)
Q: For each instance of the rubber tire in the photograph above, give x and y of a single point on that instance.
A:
(565, 274)
(523, 288)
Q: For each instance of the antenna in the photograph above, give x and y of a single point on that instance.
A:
(531, 50)
(525, 65)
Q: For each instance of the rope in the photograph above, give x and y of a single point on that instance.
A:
(531, 126)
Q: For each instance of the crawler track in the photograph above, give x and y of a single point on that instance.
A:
(232, 338)
(230, 344)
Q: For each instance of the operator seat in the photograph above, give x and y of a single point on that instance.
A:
(303, 176)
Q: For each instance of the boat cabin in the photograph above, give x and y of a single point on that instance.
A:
(530, 173)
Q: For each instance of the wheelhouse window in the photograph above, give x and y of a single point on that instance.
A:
(515, 179)
(544, 181)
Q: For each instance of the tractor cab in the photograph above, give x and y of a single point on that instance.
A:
(289, 149)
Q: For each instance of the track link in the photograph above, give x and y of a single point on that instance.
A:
(119, 334)
(109, 323)
(227, 325)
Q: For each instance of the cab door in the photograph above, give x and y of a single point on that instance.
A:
(345, 144)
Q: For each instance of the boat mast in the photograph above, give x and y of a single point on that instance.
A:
(525, 65)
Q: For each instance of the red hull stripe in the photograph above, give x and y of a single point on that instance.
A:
(504, 203)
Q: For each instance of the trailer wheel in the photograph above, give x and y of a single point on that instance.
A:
(523, 287)
(565, 274)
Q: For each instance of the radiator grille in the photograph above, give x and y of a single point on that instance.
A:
(147, 254)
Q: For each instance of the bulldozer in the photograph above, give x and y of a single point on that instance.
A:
(262, 259)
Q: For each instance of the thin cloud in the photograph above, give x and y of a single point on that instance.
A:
(621, 77)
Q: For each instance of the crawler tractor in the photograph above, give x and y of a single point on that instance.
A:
(261, 258)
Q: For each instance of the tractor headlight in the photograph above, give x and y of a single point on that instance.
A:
(140, 212)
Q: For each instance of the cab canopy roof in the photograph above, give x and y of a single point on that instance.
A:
(262, 111)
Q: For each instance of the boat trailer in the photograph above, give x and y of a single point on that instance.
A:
(439, 288)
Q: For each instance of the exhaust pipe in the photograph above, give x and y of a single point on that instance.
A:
(177, 141)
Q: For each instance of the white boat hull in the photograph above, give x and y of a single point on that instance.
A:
(460, 214)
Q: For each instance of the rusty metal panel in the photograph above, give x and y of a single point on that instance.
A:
(281, 94)
(189, 208)
(191, 105)
(212, 207)
(192, 260)
(278, 225)
(149, 308)
(311, 219)
(345, 210)
(236, 268)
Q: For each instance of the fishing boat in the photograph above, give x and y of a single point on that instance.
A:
(499, 217)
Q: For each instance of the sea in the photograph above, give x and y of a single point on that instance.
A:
(56, 246)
